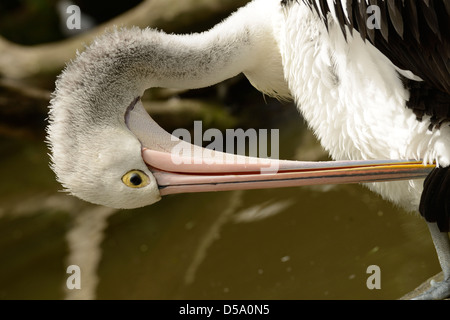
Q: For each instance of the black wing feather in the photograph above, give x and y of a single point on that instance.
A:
(384, 26)
(430, 16)
(412, 21)
(395, 16)
(435, 201)
(414, 34)
(350, 16)
(325, 9)
(341, 17)
(360, 15)
(447, 6)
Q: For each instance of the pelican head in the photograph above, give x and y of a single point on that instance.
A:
(94, 154)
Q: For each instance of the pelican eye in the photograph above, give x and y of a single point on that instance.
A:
(135, 179)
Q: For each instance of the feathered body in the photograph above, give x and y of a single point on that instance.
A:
(358, 100)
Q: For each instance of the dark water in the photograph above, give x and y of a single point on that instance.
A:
(293, 243)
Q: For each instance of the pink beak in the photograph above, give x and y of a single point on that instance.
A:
(205, 170)
(188, 178)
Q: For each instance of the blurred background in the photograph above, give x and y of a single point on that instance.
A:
(293, 243)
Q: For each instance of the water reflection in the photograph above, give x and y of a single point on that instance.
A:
(295, 243)
(84, 240)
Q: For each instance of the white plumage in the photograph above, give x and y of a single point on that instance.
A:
(352, 97)
(350, 93)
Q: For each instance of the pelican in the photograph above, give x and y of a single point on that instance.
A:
(370, 77)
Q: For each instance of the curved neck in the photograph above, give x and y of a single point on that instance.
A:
(135, 59)
(122, 64)
(193, 61)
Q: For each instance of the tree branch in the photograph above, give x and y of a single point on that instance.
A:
(20, 62)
